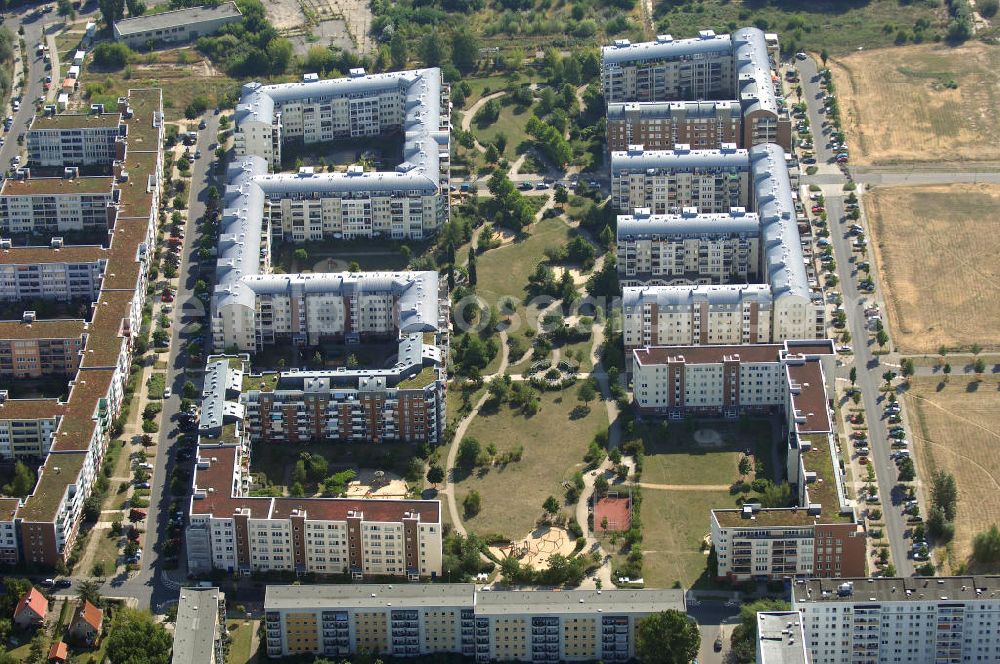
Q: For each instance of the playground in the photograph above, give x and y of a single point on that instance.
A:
(376, 484)
(613, 513)
(536, 549)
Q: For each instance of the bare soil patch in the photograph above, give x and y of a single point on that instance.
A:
(921, 103)
(936, 250)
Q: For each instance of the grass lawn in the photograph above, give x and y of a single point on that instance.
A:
(831, 24)
(242, 638)
(554, 445)
(481, 87)
(511, 123)
(578, 348)
(674, 525)
(675, 457)
(107, 551)
(495, 267)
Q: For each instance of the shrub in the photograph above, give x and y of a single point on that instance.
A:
(112, 55)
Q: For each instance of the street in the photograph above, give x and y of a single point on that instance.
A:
(868, 364)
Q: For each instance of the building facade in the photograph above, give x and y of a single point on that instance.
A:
(667, 181)
(231, 531)
(60, 140)
(56, 273)
(910, 620)
(306, 309)
(52, 205)
(703, 125)
(689, 248)
(32, 349)
(736, 67)
(455, 618)
(177, 26)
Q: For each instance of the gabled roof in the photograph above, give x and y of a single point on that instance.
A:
(89, 614)
(58, 652)
(33, 600)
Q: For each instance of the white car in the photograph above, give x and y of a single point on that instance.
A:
(167, 392)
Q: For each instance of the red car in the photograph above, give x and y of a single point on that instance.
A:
(167, 296)
(818, 208)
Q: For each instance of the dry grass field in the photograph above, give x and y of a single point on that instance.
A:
(936, 249)
(956, 428)
(899, 104)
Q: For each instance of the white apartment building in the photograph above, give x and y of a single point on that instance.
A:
(667, 181)
(946, 620)
(231, 531)
(786, 306)
(68, 139)
(51, 205)
(304, 309)
(58, 273)
(410, 202)
(27, 426)
(688, 248)
(406, 620)
(689, 315)
(734, 67)
(780, 638)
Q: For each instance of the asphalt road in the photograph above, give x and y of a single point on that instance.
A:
(152, 586)
(869, 368)
(34, 30)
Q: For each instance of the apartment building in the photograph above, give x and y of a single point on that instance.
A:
(231, 531)
(32, 348)
(305, 309)
(55, 272)
(57, 204)
(200, 627)
(454, 618)
(177, 26)
(73, 434)
(787, 305)
(403, 403)
(702, 125)
(820, 536)
(780, 638)
(410, 202)
(667, 181)
(736, 68)
(76, 139)
(688, 248)
(907, 620)
(716, 381)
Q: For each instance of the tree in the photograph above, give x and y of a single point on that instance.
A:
(471, 268)
(301, 256)
(464, 49)
(986, 546)
(189, 391)
(89, 591)
(587, 392)
(881, 338)
(939, 526)
(824, 55)
(112, 11)
(435, 475)
(399, 50)
(947, 368)
(746, 466)
(907, 368)
(432, 50)
(472, 503)
(980, 365)
(65, 8)
(944, 493)
(906, 471)
(135, 8)
(607, 237)
(492, 155)
(134, 638)
(551, 505)
(667, 637)
(468, 452)
(22, 483)
(562, 195)
(601, 486)
(112, 55)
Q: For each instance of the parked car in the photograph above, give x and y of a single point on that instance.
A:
(167, 393)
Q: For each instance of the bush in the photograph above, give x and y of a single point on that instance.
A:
(112, 55)
(988, 8)
(197, 106)
(472, 503)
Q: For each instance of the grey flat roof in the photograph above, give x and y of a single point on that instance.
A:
(578, 601)
(915, 589)
(665, 47)
(197, 617)
(780, 638)
(176, 18)
(665, 109)
(396, 595)
(677, 160)
(731, 294)
(642, 225)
